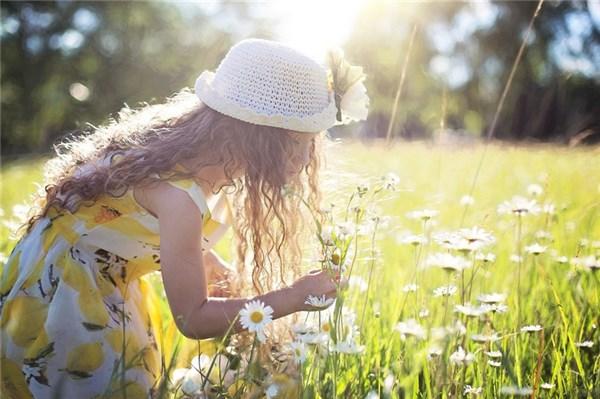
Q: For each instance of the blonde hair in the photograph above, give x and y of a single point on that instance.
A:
(154, 138)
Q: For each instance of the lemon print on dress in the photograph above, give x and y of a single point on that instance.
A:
(9, 274)
(84, 359)
(128, 389)
(13, 383)
(90, 299)
(23, 334)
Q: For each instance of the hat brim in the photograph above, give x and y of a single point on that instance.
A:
(315, 123)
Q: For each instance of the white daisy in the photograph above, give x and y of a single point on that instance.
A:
(448, 261)
(519, 206)
(299, 350)
(255, 316)
(482, 338)
(548, 208)
(468, 310)
(391, 181)
(327, 235)
(372, 395)
(321, 302)
(467, 200)
(433, 352)
(412, 239)
(472, 390)
(461, 357)
(535, 249)
(445, 290)
(271, 391)
(477, 234)
(410, 288)
(388, 383)
(494, 354)
(532, 328)
(494, 363)
(412, 328)
(584, 344)
(543, 235)
(561, 259)
(516, 258)
(423, 214)
(517, 391)
(534, 190)
(493, 308)
(491, 298)
(546, 385)
(486, 258)
(348, 347)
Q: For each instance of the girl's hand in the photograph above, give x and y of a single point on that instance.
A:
(316, 283)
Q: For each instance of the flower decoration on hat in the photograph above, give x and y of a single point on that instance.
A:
(346, 83)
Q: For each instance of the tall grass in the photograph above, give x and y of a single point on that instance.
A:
(561, 295)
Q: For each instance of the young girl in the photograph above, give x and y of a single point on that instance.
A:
(147, 192)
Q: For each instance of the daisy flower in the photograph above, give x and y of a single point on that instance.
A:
(486, 258)
(423, 214)
(482, 338)
(494, 354)
(299, 350)
(468, 310)
(410, 288)
(535, 249)
(321, 302)
(467, 200)
(412, 239)
(410, 327)
(519, 206)
(445, 290)
(517, 391)
(491, 298)
(532, 328)
(348, 347)
(534, 190)
(472, 390)
(255, 316)
(391, 181)
(461, 357)
(271, 391)
(448, 262)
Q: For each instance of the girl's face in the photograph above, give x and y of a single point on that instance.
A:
(300, 155)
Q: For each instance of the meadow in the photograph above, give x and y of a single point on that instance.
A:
(472, 272)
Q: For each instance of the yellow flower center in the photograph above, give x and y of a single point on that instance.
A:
(256, 316)
(326, 327)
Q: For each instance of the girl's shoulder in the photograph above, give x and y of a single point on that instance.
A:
(168, 194)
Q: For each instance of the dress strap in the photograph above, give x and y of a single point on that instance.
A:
(195, 193)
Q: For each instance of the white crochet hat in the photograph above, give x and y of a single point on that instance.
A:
(268, 83)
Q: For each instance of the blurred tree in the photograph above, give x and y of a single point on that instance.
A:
(65, 63)
(460, 62)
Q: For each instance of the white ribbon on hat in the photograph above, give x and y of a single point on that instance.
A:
(354, 103)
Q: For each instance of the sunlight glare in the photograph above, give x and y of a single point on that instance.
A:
(315, 26)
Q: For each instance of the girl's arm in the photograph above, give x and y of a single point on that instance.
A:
(196, 314)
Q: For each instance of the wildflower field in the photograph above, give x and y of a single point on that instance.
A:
(468, 272)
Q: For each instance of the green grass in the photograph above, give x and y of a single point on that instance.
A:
(563, 298)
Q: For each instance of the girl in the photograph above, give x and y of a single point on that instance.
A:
(147, 192)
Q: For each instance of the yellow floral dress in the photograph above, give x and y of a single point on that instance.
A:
(74, 298)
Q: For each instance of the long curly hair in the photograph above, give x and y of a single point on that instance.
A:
(155, 138)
